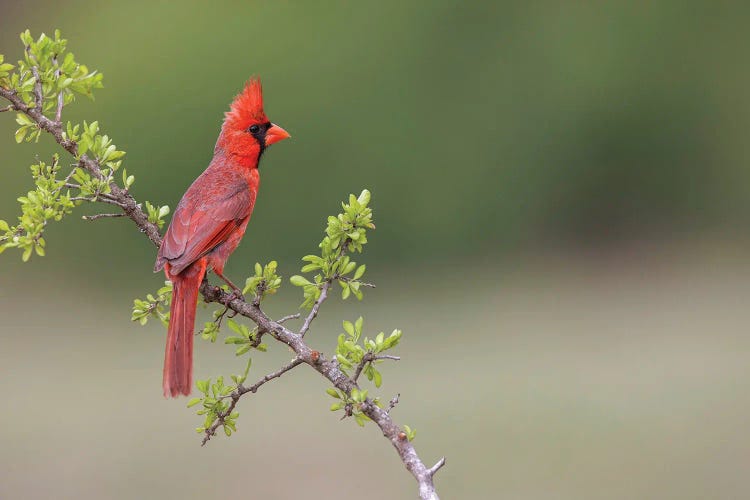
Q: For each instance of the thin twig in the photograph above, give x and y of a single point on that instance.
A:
(38, 96)
(432, 470)
(101, 216)
(237, 394)
(323, 292)
(99, 198)
(58, 111)
(287, 318)
(361, 283)
(315, 308)
(9, 107)
(392, 403)
(369, 357)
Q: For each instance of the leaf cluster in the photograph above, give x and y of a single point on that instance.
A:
(352, 404)
(350, 353)
(245, 339)
(48, 78)
(49, 201)
(215, 402)
(60, 75)
(154, 306)
(264, 281)
(345, 232)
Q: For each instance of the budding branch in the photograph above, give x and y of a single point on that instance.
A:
(328, 368)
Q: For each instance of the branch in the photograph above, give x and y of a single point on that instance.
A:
(392, 403)
(369, 358)
(361, 283)
(38, 97)
(323, 293)
(287, 318)
(315, 308)
(241, 390)
(100, 216)
(329, 369)
(60, 98)
(125, 200)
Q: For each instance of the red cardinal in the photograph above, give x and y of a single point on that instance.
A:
(209, 223)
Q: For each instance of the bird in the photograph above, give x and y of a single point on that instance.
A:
(209, 223)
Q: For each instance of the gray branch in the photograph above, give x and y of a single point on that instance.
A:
(328, 368)
(242, 390)
(315, 308)
(101, 216)
(124, 199)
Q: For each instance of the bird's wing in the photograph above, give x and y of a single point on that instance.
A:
(198, 226)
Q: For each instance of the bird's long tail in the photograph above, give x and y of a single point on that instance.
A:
(178, 357)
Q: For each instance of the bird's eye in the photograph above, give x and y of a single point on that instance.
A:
(254, 129)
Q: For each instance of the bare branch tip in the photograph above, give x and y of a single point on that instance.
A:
(433, 470)
(287, 318)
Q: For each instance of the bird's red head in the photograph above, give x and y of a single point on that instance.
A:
(247, 131)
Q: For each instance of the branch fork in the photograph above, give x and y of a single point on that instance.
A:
(328, 368)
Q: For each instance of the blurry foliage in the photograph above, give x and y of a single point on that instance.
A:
(502, 123)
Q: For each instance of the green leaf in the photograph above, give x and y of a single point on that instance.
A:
(194, 402)
(235, 340)
(360, 271)
(410, 433)
(364, 197)
(20, 134)
(243, 349)
(22, 119)
(349, 328)
(202, 385)
(297, 280)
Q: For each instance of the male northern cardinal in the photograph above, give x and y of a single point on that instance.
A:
(209, 222)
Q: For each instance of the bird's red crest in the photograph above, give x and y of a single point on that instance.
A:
(247, 107)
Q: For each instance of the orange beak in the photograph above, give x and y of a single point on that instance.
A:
(276, 134)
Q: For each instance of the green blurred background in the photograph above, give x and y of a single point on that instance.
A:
(560, 195)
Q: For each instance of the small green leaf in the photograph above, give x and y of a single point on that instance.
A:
(349, 328)
(360, 271)
(202, 385)
(297, 280)
(410, 433)
(243, 349)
